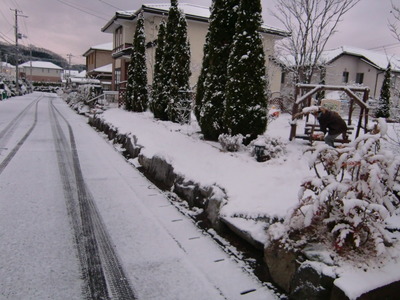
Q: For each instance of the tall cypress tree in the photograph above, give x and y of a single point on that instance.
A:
(159, 104)
(180, 105)
(139, 96)
(211, 85)
(177, 66)
(129, 85)
(246, 100)
(383, 110)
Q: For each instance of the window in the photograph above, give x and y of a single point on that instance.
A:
(360, 78)
(118, 37)
(345, 77)
(117, 76)
(283, 75)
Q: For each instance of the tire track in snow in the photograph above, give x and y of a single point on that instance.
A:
(6, 133)
(9, 129)
(102, 271)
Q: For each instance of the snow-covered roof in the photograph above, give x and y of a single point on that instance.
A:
(103, 47)
(106, 46)
(380, 60)
(104, 69)
(40, 64)
(377, 59)
(188, 9)
(7, 65)
(71, 72)
(81, 74)
(192, 12)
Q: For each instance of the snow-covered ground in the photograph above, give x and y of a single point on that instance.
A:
(164, 255)
(255, 190)
(160, 249)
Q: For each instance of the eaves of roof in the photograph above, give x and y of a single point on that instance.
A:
(131, 15)
(157, 11)
(361, 57)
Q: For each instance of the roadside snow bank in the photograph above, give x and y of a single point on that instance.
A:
(255, 190)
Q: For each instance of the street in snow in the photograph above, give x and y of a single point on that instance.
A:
(78, 222)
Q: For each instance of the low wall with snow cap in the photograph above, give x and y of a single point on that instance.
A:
(161, 172)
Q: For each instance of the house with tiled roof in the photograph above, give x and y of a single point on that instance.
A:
(98, 56)
(40, 71)
(354, 66)
(122, 26)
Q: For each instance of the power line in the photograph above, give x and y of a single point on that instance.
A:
(5, 18)
(81, 10)
(102, 1)
(393, 45)
(16, 4)
(6, 39)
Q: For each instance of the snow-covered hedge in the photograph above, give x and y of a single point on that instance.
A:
(274, 147)
(231, 143)
(346, 204)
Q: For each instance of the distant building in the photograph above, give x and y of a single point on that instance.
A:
(352, 66)
(7, 69)
(98, 56)
(104, 74)
(40, 71)
(69, 73)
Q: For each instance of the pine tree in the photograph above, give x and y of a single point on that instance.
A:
(211, 85)
(246, 100)
(176, 66)
(383, 110)
(159, 104)
(139, 95)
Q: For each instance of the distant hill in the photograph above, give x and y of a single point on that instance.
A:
(7, 53)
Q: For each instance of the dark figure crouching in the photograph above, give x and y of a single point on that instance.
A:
(331, 122)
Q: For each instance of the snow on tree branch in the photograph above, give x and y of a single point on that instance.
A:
(345, 206)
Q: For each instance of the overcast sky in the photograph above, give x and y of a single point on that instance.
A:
(72, 26)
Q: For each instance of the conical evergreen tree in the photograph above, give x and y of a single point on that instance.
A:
(129, 84)
(211, 85)
(159, 104)
(139, 96)
(180, 105)
(246, 100)
(177, 66)
(383, 110)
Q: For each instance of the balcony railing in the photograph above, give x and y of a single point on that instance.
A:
(122, 49)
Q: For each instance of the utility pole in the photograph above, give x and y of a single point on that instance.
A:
(69, 55)
(17, 37)
(69, 62)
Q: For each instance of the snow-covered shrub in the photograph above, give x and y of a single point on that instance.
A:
(274, 147)
(346, 204)
(231, 143)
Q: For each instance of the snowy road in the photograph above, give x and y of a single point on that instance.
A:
(78, 222)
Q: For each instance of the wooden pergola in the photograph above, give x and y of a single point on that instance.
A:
(303, 98)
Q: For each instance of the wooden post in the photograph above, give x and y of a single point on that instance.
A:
(365, 99)
(293, 126)
(359, 122)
